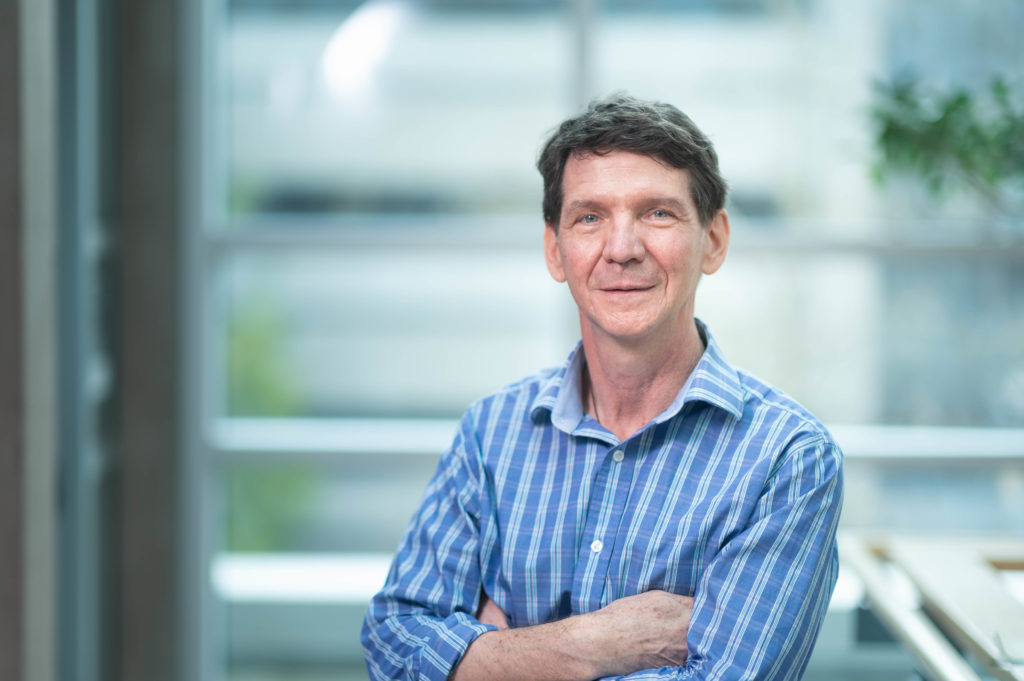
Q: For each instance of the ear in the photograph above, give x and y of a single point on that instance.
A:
(552, 256)
(716, 243)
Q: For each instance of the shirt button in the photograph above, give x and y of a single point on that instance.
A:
(618, 455)
(596, 546)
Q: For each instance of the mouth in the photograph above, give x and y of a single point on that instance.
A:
(627, 289)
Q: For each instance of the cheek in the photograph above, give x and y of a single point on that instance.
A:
(577, 262)
(576, 274)
(684, 265)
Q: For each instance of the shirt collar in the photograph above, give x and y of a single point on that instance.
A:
(713, 381)
(561, 393)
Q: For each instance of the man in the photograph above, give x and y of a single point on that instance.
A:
(645, 509)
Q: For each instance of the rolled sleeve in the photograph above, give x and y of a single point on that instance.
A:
(761, 603)
(421, 623)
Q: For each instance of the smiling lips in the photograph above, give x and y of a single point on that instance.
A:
(626, 289)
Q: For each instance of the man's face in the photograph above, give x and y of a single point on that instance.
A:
(631, 246)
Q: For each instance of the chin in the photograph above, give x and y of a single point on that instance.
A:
(626, 331)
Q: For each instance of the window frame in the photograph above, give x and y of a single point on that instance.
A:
(212, 236)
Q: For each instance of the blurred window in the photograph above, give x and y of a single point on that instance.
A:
(372, 255)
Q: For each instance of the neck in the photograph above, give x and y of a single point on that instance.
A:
(627, 385)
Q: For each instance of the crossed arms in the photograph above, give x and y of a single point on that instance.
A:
(756, 607)
(644, 631)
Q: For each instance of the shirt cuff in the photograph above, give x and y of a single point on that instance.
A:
(448, 643)
(659, 674)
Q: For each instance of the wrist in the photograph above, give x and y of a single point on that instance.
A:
(593, 645)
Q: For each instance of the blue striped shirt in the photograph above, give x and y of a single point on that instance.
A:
(731, 495)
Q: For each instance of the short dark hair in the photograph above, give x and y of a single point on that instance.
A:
(623, 123)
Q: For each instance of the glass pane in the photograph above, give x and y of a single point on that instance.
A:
(305, 547)
(805, 325)
(392, 106)
(953, 332)
(889, 338)
(969, 498)
(387, 332)
(356, 507)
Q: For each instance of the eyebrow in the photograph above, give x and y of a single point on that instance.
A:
(589, 204)
(581, 204)
(676, 204)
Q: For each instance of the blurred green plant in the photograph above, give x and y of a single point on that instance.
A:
(952, 138)
(267, 505)
(259, 382)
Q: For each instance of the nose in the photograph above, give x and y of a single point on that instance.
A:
(623, 243)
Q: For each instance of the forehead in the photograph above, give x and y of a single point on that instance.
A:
(622, 174)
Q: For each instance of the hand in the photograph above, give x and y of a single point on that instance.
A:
(645, 631)
(490, 613)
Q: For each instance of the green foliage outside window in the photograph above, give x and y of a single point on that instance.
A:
(268, 506)
(955, 138)
(259, 382)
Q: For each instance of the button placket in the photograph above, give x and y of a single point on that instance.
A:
(608, 496)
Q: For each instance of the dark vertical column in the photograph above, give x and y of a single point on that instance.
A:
(149, 234)
(12, 402)
(86, 322)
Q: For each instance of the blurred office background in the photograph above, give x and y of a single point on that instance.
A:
(258, 256)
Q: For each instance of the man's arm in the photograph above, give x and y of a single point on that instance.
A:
(760, 603)
(421, 622)
(639, 632)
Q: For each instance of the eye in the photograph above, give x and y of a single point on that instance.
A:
(588, 219)
(660, 214)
